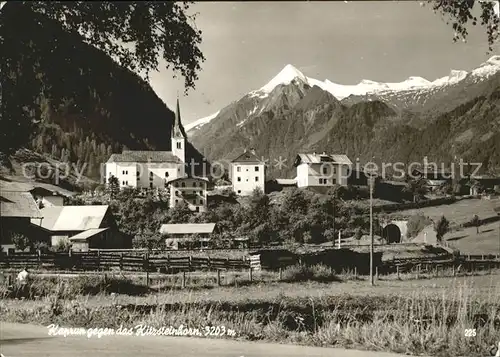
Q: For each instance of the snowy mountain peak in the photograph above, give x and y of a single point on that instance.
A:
(286, 76)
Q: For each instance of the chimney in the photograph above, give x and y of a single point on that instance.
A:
(252, 150)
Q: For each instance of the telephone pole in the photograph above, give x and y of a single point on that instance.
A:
(371, 229)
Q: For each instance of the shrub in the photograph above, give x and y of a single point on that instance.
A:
(416, 224)
(20, 241)
(302, 272)
(441, 227)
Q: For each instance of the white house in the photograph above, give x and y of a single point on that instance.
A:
(322, 170)
(247, 173)
(150, 169)
(190, 190)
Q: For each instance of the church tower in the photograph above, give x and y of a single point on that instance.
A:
(178, 136)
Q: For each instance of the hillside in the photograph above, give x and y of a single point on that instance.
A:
(92, 107)
(297, 117)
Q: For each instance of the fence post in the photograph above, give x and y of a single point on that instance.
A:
(209, 263)
(397, 270)
(418, 271)
(218, 277)
(437, 271)
(376, 273)
(39, 256)
(281, 273)
(227, 263)
(250, 274)
(183, 279)
(355, 272)
(453, 269)
(168, 263)
(121, 261)
(98, 260)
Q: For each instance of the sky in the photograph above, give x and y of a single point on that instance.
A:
(247, 43)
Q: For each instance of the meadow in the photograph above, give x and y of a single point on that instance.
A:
(311, 306)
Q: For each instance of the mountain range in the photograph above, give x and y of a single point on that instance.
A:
(457, 115)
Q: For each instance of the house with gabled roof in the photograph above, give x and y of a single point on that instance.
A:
(84, 226)
(151, 169)
(248, 172)
(188, 235)
(17, 210)
(189, 190)
(322, 170)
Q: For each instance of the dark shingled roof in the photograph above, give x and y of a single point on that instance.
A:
(18, 204)
(247, 156)
(145, 156)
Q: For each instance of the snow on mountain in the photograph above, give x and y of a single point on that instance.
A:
(412, 86)
(199, 123)
(364, 87)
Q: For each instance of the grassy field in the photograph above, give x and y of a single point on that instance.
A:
(459, 212)
(469, 242)
(427, 316)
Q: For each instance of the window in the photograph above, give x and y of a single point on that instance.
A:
(123, 183)
(126, 183)
(238, 169)
(321, 181)
(334, 181)
(334, 170)
(256, 178)
(166, 173)
(325, 170)
(176, 184)
(125, 172)
(238, 179)
(201, 201)
(256, 168)
(150, 185)
(179, 146)
(246, 180)
(138, 173)
(326, 181)
(183, 184)
(247, 170)
(239, 191)
(176, 201)
(197, 209)
(194, 184)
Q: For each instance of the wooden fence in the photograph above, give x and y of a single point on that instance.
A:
(106, 261)
(98, 261)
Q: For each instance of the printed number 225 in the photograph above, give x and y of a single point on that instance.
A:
(470, 332)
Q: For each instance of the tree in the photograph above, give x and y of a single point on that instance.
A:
(476, 222)
(180, 213)
(441, 227)
(20, 241)
(460, 15)
(358, 234)
(136, 34)
(113, 186)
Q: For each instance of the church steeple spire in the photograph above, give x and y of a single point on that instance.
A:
(179, 138)
(177, 129)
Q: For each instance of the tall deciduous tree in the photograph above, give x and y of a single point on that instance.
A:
(461, 14)
(137, 34)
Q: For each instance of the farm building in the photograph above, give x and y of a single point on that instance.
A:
(187, 235)
(84, 226)
(17, 211)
